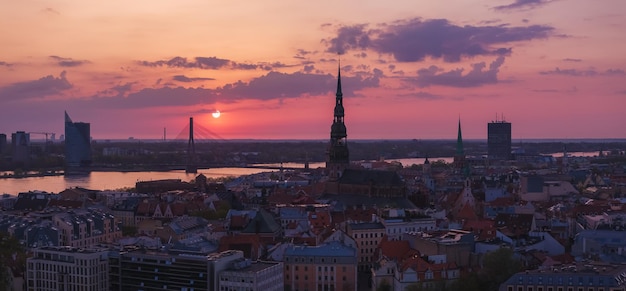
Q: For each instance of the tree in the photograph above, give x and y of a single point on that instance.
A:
(12, 255)
(498, 266)
(384, 286)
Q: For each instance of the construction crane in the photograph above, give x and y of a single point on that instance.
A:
(51, 134)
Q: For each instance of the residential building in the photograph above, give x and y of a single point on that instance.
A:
(456, 245)
(253, 276)
(67, 268)
(577, 277)
(367, 237)
(86, 227)
(330, 266)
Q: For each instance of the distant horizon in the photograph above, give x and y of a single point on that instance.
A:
(514, 141)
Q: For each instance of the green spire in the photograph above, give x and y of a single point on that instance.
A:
(459, 142)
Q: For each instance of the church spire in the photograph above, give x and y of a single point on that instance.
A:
(339, 93)
(459, 142)
(338, 156)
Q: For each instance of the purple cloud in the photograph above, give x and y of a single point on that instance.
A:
(5, 64)
(68, 62)
(415, 39)
(422, 95)
(433, 75)
(36, 89)
(584, 73)
(211, 63)
(273, 85)
(183, 78)
(348, 38)
(523, 4)
(205, 63)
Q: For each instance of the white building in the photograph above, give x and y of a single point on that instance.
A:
(257, 276)
(67, 268)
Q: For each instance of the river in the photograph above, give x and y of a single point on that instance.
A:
(119, 180)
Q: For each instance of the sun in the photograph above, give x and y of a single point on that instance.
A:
(216, 114)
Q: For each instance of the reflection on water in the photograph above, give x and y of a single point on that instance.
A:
(111, 180)
(119, 180)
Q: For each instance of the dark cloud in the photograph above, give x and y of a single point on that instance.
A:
(120, 90)
(211, 63)
(36, 89)
(348, 38)
(308, 68)
(422, 95)
(572, 60)
(183, 78)
(455, 78)
(415, 39)
(584, 73)
(273, 85)
(205, 63)
(68, 62)
(546, 91)
(522, 4)
(302, 54)
(5, 64)
(50, 11)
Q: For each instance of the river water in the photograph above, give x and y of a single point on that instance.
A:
(119, 180)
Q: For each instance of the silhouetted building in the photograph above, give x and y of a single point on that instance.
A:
(20, 144)
(499, 140)
(459, 155)
(3, 142)
(77, 143)
(338, 156)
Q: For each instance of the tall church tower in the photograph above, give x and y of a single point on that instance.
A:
(459, 155)
(338, 156)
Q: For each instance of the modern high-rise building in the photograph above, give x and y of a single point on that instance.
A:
(338, 157)
(20, 144)
(77, 143)
(3, 142)
(499, 140)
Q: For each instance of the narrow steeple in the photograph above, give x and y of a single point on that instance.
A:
(459, 142)
(339, 93)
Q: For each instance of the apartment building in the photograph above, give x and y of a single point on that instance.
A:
(253, 276)
(367, 237)
(67, 268)
(330, 266)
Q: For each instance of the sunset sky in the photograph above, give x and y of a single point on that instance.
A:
(410, 69)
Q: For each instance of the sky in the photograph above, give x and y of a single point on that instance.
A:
(409, 69)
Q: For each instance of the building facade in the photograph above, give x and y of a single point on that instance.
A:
(77, 143)
(367, 237)
(257, 276)
(67, 268)
(162, 270)
(499, 140)
(330, 266)
(587, 277)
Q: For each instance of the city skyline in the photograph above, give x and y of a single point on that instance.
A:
(554, 69)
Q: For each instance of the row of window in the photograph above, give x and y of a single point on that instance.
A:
(551, 288)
